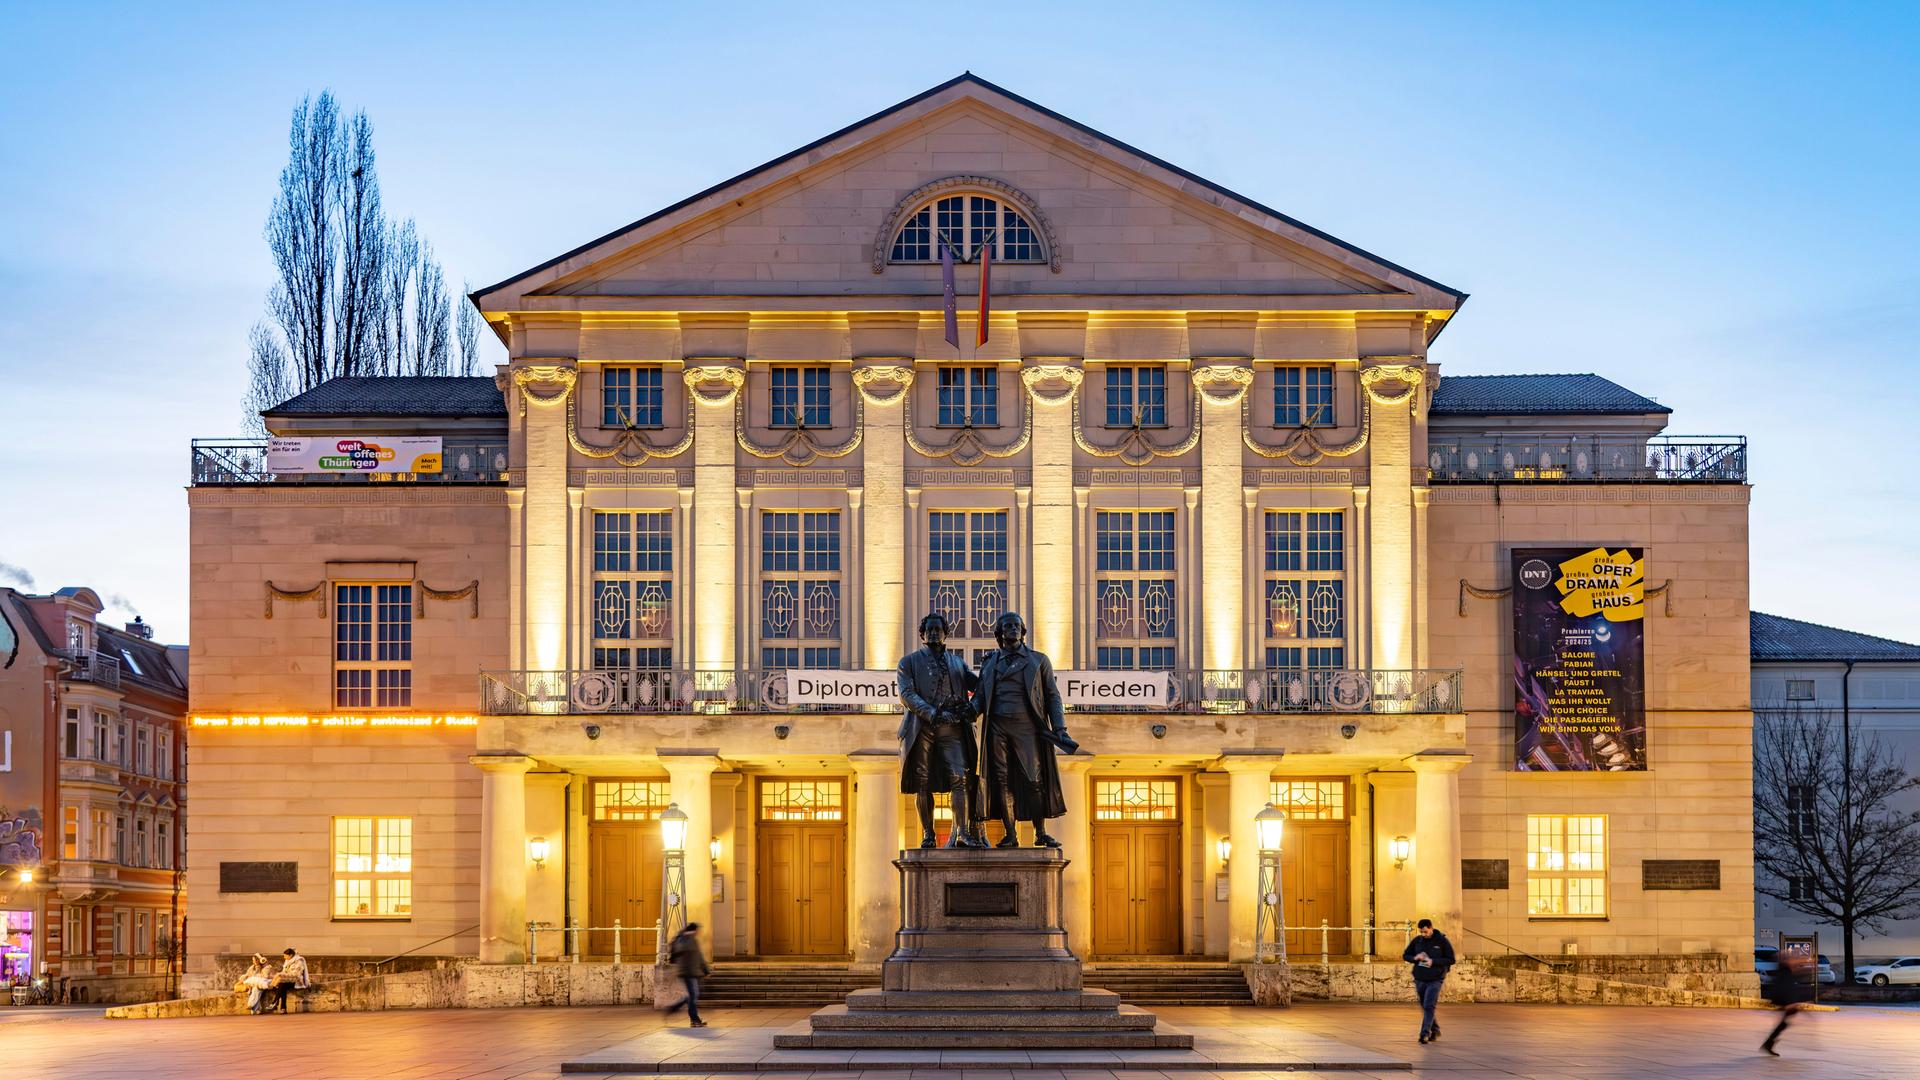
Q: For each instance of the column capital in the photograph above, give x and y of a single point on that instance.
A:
(1249, 761)
(1439, 762)
(1051, 384)
(700, 762)
(548, 779)
(501, 763)
(868, 762)
(1222, 384)
(714, 384)
(883, 384)
(1391, 780)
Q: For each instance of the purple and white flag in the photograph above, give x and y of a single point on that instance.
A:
(946, 285)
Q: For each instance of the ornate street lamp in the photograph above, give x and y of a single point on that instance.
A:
(673, 879)
(1270, 929)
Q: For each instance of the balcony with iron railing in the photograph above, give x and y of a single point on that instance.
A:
(1664, 459)
(678, 691)
(218, 462)
(97, 668)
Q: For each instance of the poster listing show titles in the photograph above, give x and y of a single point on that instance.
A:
(1578, 659)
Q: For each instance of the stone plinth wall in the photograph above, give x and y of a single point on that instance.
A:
(1595, 980)
(452, 985)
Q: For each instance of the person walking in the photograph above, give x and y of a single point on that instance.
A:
(1792, 988)
(1431, 955)
(293, 976)
(687, 958)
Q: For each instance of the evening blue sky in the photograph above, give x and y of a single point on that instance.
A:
(1714, 206)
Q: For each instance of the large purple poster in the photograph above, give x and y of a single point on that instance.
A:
(1579, 686)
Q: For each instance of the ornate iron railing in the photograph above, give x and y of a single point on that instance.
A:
(681, 691)
(1710, 459)
(244, 461)
(95, 667)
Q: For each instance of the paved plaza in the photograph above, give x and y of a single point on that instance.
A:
(1481, 1040)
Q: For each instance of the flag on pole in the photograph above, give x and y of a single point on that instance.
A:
(986, 257)
(946, 285)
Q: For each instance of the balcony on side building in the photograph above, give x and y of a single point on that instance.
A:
(97, 668)
(224, 462)
(1587, 458)
(762, 691)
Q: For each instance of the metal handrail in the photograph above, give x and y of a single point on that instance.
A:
(374, 968)
(684, 691)
(1553, 458)
(570, 938)
(1551, 965)
(1326, 931)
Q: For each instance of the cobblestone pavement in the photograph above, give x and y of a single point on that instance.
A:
(1544, 1041)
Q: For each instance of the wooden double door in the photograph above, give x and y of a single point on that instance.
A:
(1136, 888)
(801, 888)
(1314, 887)
(624, 883)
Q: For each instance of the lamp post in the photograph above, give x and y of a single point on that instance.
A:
(673, 878)
(1269, 936)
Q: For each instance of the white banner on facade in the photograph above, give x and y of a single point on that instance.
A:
(1119, 689)
(809, 687)
(344, 454)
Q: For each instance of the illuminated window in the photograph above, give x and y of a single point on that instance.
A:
(373, 646)
(1305, 591)
(800, 589)
(967, 575)
(1136, 800)
(1310, 800)
(800, 397)
(1302, 396)
(630, 397)
(372, 868)
(633, 594)
(1134, 590)
(968, 223)
(1567, 865)
(630, 800)
(1137, 396)
(802, 800)
(100, 831)
(69, 832)
(969, 396)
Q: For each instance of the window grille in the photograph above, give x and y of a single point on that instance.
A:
(631, 397)
(800, 623)
(1305, 590)
(1303, 396)
(1136, 800)
(1567, 865)
(1135, 590)
(803, 800)
(800, 397)
(1310, 800)
(969, 223)
(967, 575)
(969, 396)
(1136, 395)
(632, 590)
(373, 646)
(630, 800)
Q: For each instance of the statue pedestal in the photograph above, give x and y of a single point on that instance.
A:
(981, 960)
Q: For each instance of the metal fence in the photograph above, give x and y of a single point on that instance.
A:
(766, 690)
(1713, 459)
(568, 945)
(244, 461)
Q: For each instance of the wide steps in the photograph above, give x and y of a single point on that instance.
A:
(1028, 1038)
(840, 1018)
(1172, 984)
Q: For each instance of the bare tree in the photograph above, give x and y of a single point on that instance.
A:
(302, 238)
(1827, 833)
(432, 326)
(466, 330)
(363, 245)
(402, 260)
(270, 378)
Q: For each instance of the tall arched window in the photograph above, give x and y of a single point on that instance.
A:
(969, 223)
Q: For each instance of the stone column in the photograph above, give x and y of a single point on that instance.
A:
(1422, 601)
(691, 774)
(503, 857)
(1436, 836)
(1249, 787)
(579, 846)
(544, 389)
(1050, 392)
(884, 389)
(1391, 390)
(1075, 833)
(875, 889)
(547, 817)
(714, 388)
(1223, 557)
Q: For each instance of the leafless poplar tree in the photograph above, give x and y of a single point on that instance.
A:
(269, 378)
(466, 330)
(358, 298)
(302, 238)
(1828, 836)
(403, 259)
(432, 328)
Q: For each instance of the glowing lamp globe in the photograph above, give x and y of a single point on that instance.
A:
(673, 828)
(1269, 825)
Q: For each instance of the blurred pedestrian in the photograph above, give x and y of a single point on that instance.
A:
(1431, 955)
(1792, 990)
(688, 959)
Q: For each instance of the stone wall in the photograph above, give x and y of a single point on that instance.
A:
(1700, 981)
(453, 985)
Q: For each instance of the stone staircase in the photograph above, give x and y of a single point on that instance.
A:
(1178, 983)
(782, 985)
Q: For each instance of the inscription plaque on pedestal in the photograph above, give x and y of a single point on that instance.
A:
(983, 898)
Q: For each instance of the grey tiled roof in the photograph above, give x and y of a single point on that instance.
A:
(398, 395)
(1778, 638)
(1481, 395)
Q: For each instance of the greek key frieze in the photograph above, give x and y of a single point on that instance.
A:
(961, 477)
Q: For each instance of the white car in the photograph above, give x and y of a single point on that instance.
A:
(1904, 970)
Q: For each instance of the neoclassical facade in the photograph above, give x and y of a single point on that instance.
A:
(741, 447)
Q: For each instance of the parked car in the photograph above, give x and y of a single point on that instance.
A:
(1904, 970)
(1826, 972)
(1766, 961)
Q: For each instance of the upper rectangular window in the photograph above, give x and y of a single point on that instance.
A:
(969, 396)
(632, 589)
(162, 845)
(800, 589)
(69, 832)
(1803, 810)
(1303, 396)
(631, 397)
(1799, 689)
(967, 574)
(163, 755)
(1310, 800)
(103, 746)
(800, 397)
(1137, 395)
(372, 868)
(1567, 865)
(70, 735)
(1135, 589)
(1304, 587)
(373, 646)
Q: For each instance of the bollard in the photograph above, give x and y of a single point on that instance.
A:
(573, 936)
(616, 942)
(1325, 939)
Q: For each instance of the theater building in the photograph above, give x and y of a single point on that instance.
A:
(735, 456)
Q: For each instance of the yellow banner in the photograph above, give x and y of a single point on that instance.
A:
(1612, 584)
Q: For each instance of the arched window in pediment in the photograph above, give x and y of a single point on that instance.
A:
(970, 222)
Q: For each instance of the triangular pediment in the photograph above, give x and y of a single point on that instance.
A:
(816, 222)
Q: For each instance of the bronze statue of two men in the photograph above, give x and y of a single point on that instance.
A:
(1009, 773)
